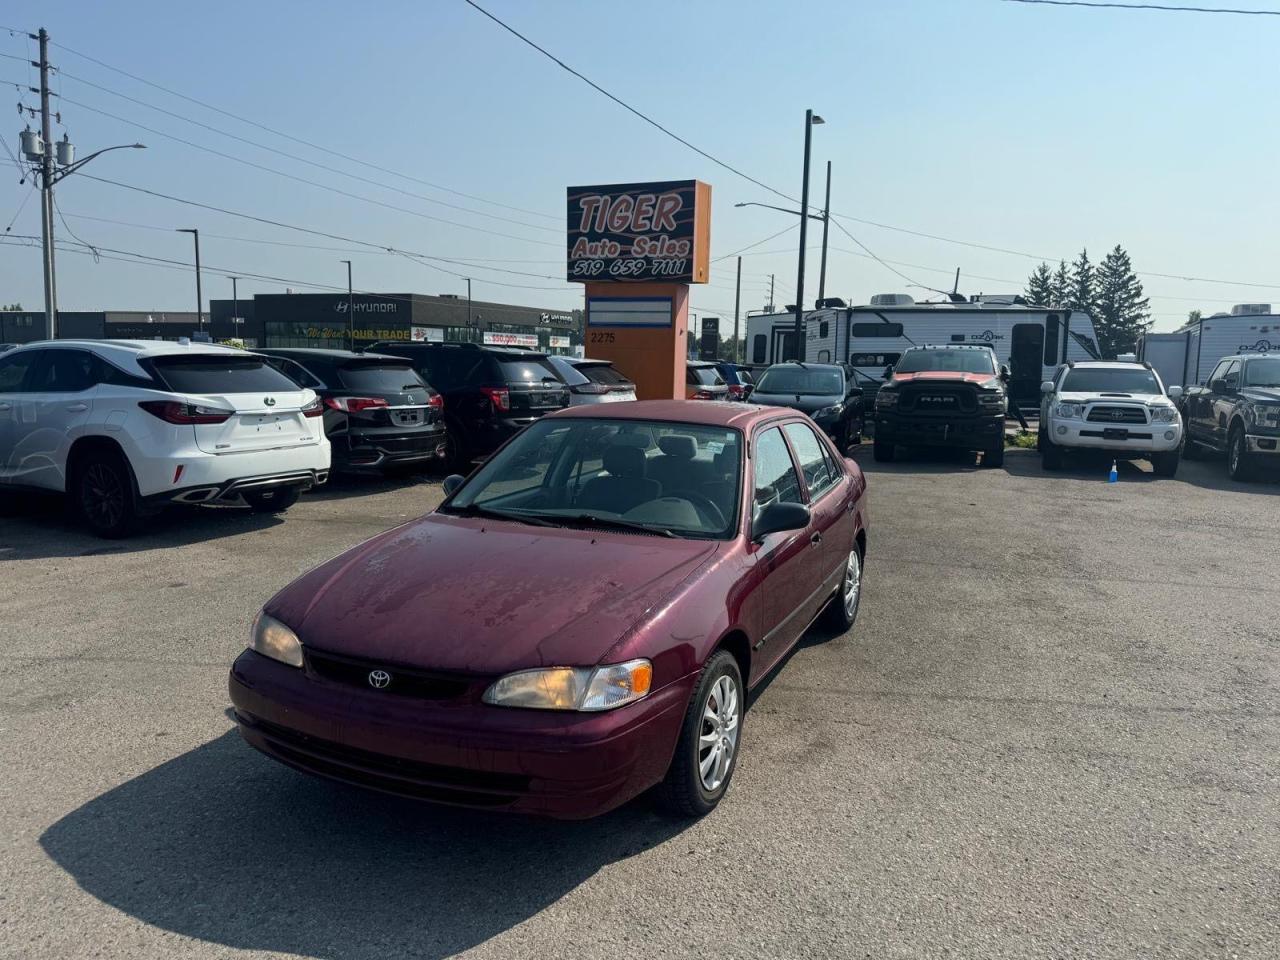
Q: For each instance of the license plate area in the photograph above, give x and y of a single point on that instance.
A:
(1115, 433)
(408, 417)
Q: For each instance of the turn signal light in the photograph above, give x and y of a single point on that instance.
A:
(500, 397)
(171, 411)
(354, 404)
(313, 409)
(436, 401)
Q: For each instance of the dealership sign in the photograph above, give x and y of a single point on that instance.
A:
(493, 339)
(640, 232)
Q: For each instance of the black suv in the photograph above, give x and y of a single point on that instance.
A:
(1238, 412)
(378, 413)
(824, 391)
(944, 396)
(490, 393)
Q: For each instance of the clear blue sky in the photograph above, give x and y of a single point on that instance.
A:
(1035, 129)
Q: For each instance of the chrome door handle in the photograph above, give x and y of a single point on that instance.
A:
(816, 539)
(77, 407)
(5, 406)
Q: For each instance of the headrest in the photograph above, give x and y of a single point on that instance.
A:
(678, 445)
(624, 461)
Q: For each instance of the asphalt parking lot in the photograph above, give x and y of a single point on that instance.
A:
(1054, 731)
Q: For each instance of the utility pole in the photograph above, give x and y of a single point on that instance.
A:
(826, 223)
(737, 302)
(809, 120)
(235, 306)
(199, 296)
(351, 310)
(468, 306)
(46, 191)
(771, 301)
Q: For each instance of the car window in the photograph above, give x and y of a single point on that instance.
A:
(1218, 371)
(602, 373)
(13, 370)
(1232, 376)
(801, 380)
(381, 376)
(817, 469)
(569, 372)
(1262, 373)
(703, 377)
(295, 371)
(217, 373)
(527, 370)
(64, 371)
(775, 476)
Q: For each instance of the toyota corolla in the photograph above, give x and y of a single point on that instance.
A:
(579, 621)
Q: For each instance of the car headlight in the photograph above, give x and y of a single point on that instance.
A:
(886, 399)
(573, 688)
(832, 411)
(273, 639)
(1164, 414)
(1069, 411)
(991, 401)
(1266, 414)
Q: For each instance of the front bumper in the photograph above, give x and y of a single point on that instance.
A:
(1267, 445)
(1136, 438)
(458, 751)
(961, 432)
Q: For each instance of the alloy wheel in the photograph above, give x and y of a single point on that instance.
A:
(718, 739)
(1236, 444)
(102, 495)
(852, 583)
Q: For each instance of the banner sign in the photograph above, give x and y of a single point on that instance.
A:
(426, 334)
(640, 232)
(558, 342)
(493, 339)
(629, 312)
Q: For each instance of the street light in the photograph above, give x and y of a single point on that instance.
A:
(769, 206)
(199, 297)
(811, 120)
(235, 305)
(351, 310)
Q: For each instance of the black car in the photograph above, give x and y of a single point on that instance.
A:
(378, 412)
(490, 393)
(825, 391)
(1238, 413)
(952, 395)
(739, 378)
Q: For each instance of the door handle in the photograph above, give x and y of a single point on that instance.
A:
(77, 407)
(816, 539)
(5, 406)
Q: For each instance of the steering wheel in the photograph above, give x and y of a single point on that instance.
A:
(704, 505)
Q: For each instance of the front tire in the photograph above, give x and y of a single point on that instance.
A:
(1050, 455)
(1165, 464)
(106, 495)
(275, 500)
(993, 457)
(1239, 463)
(707, 751)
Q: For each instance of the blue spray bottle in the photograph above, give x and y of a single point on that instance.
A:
(1114, 475)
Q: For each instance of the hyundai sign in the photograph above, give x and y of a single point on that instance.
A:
(634, 232)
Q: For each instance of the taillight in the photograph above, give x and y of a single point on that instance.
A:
(354, 404)
(313, 409)
(436, 401)
(591, 388)
(737, 390)
(500, 397)
(173, 411)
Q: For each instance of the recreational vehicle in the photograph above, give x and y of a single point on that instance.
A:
(1185, 357)
(1032, 341)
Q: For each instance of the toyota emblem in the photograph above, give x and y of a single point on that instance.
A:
(379, 679)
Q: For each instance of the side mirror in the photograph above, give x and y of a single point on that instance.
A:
(1221, 386)
(1004, 373)
(452, 482)
(777, 517)
(1046, 387)
(1175, 393)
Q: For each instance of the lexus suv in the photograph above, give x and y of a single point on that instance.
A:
(127, 427)
(1238, 412)
(1117, 407)
(945, 396)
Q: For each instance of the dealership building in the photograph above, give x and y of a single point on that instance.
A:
(320, 320)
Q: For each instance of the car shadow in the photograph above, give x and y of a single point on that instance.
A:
(1209, 474)
(233, 849)
(917, 460)
(343, 486)
(36, 526)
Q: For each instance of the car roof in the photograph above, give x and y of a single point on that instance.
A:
(806, 365)
(320, 353)
(952, 346)
(1108, 365)
(711, 413)
(137, 349)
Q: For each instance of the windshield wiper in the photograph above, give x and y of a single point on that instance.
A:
(591, 520)
(474, 510)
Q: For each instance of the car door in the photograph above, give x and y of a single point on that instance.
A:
(785, 558)
(61, 397)
(15, 373)
(832, 525)
(1198, 406)
(1222, 401)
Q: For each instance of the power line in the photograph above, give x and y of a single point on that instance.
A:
(626, 106)
(299, 140)
(749, 246)
(1150, 6)
(286, 154)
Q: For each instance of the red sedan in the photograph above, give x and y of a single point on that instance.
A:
(579, 621)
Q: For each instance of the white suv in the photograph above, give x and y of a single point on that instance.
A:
(1121, 408)
(126, 427)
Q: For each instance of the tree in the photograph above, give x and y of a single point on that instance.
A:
(1040, 287)
(15, 307)
(1080, 288)
(1194, 317)
(1120, 313)
(1060, 285)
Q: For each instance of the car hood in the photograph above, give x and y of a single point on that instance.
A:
(486, 597)
(952, 376)
(1141, 399)
(1261, 394)
(804, 402)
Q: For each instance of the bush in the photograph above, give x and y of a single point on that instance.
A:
(1023, 440)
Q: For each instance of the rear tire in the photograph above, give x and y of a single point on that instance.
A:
(1050, 455)
(884, 452)
(455, 453)
(275, 500)
(710, 728)
(993, 457)
(1239, 462)
(106, 494)
(1165, 464)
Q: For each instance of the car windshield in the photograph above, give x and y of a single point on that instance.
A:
(655, 477)
(948, 361)
(1103, 380)
(1262, 373)
(800, 380)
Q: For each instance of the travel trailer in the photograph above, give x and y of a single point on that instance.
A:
(1031, 341)
(1185, 357)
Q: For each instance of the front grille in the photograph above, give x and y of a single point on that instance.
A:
(1117, 414)
(405, 681)
(938, 399)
